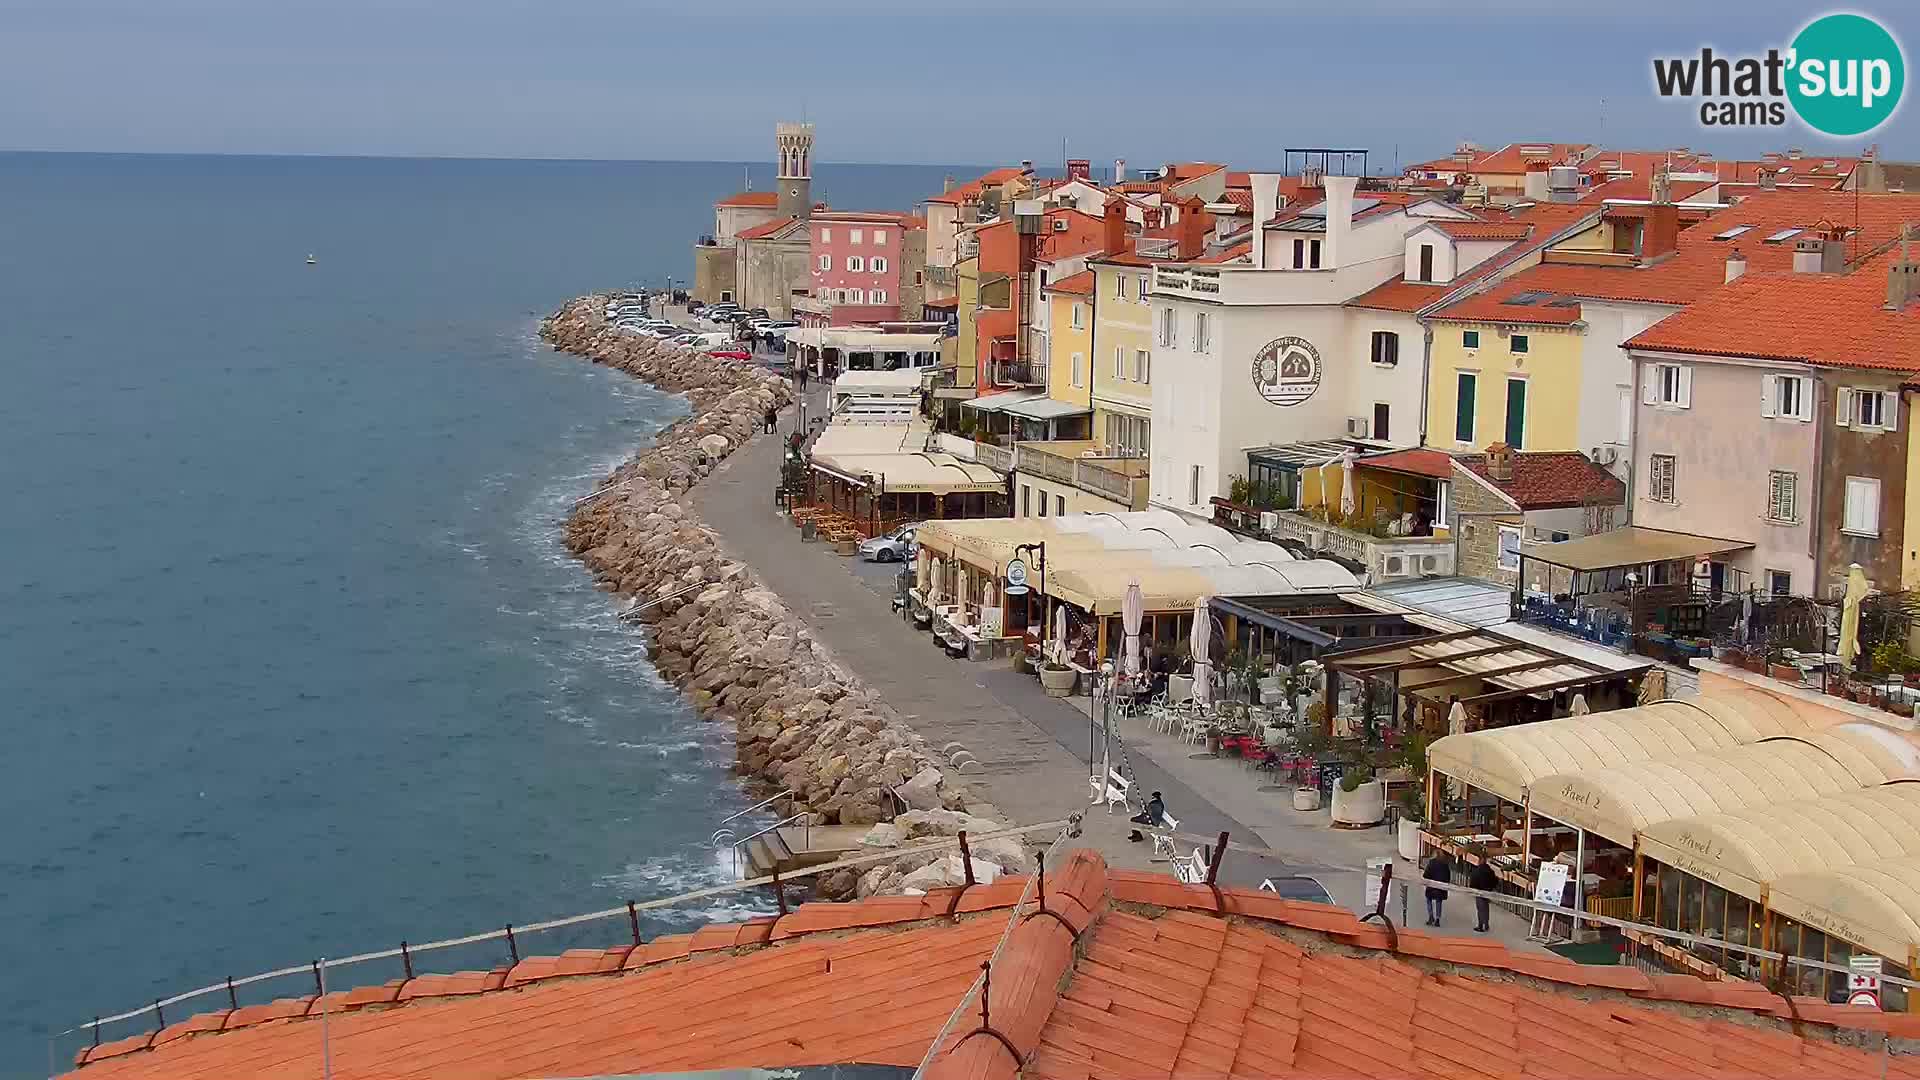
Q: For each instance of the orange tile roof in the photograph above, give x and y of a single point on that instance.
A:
(1239, 197)
(1226, 255)
(1551, 480)
(1638, 186)
(1402, 295)
(1540, 223)
(1080, 284)
(1497, 305)
(1829, 319)
(1239, 180)
(1510, 158)
(751, 198)
(1483, 230)
(973, 188)
(1127, 975)
(1419, 462)
(760, 231)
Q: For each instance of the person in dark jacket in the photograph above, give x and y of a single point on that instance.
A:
(1155, 815)
(1484, 879)
(1439, 868)
(771, 420)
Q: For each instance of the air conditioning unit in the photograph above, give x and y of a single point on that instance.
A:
(1429, 564)
(1269, 521)
(1059, 224)
(1393, 566)
(1357, 426)
(1605, 455)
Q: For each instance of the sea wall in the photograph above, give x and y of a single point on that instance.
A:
(802, 720)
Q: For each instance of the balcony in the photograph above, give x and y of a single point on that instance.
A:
(942, 277)
(1382, 558)
(1011, 373)
(997, 458)
(1121, 480)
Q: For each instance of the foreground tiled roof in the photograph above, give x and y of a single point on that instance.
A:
(1831, 319)
(1551, 480)
(1420, 462)
(1127, 975)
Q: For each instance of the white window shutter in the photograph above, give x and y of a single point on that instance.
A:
(1686, 386)
(1769, 391)
(1650, 384)
(1890, 410)
(1843, 407)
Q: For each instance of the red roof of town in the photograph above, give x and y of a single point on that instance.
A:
(1399, 294)
(1236, 251)
(1514, 157)
(1181, 171)
(908, 221)
(1483, 230)
(942, 302)
(1540, 222)
(1239, 197)
(751, 198)
(1080, 284)
(1239, 180)
(1421, 462)
(1638, 186)
(1126, 974)
(1551, 480)
(1498, 305)
(764, 230)
(1831, 319)
(973, 188)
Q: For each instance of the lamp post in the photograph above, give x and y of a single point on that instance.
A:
(1039, 550)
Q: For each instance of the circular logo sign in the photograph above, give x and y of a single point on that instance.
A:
(1846, 75)
(1287, 370)
(1016, 578)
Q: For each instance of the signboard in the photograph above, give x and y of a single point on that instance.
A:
(1551, 887)
(1863, 981)
(1016, 578)
(1286, 371)
(1869, 998)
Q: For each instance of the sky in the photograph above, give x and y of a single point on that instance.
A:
(900, 81)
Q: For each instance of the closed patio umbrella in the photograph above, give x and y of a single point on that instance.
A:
(1850, 615)
(1579, 706)
(932, 591)
(1060, 634)
(1346, 485)
(1132, 609)
(1200, 640)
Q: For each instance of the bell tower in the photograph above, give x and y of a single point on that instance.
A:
(795, 175)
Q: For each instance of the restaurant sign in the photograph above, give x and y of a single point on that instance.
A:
(1016, 578)
(1286, 371)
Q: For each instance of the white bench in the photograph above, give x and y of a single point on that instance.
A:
(1163, 835)
(1114, 791)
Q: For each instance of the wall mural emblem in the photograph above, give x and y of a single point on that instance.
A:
(1287, 371)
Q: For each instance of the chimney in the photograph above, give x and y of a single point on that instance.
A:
(1536, 181)
(1079, 169)
(1463, 153)
(1026, 167)
(1903, 276)
(1500, 462)
(1806, 255)
(1266, 203)
(1661, 187)
(1114, 227)
(1736, 265)
(1150, 217)
(1119, 169)
(1193, 229)
(1872, 178)
(1820, 254)
(1339, 206)
(1769, 181)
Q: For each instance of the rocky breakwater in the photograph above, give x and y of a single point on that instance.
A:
(802, 721)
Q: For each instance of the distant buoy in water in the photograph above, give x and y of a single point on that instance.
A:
(311, 260)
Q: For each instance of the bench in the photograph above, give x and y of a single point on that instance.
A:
(1113, 791)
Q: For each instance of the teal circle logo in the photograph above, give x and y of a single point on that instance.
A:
(1847, 75)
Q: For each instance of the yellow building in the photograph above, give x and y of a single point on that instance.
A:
(1071, 310)
(1507, 372)
(1120, 376)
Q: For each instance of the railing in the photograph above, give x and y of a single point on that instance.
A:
(942, 275)
(1018, 373)
(1386, 558)
(1117, 486)
(1037, 462)
(998, 458)
(806, 833)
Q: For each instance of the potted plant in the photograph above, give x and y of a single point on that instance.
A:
(1784, 672)
(1057, 679)
(1359, 801)
(1412, 817)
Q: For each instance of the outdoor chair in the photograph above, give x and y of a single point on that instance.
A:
(1162, 837)
(1114, 791)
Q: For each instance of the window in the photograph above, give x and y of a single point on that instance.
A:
(1518, 343)
(1783, 497)
(1079, 376)
(919, 277)
(1786, 397)
(1380, 420)
(1443, 505)
(1193, 486)
(1509, 547)
(1863, 506)
(1659, 573)
(877, 264)
(1202, 336)
(1026, 500)
(1872, 409)
(1426, 262)
(1120, 286)
(1779, 583)
(1469, 339)
(856, 296)
(1560, 537)
(853, 236)
(1140, 289)
(1142, 366)
(826, 262)
(1463, 406)
(877, 296)
(1386, 347)
(1043, 503)
(826, 235)
(1127, 433)
(856, 263)
(1516, 432)
(1119, 362)
(1059, 505)
(1299, 254)
(1079, 317)
(1169, 327)
(1313, 254)
(1660, 478)
(1668, 384)
(879, 238)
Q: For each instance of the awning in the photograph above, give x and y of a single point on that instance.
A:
(1507, 761)
(1621, 802)
(1476, 603)
(1747, 852)
(1873, 905)
(999, 402)
(1465, 662)
(902, 382)
(1046, 409)
(935, 474)
(1630, 546)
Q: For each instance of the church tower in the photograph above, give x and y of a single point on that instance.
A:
(795, 181)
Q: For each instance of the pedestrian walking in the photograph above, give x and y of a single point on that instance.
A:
(1439, 868)
(1484, 879)
(772, 418)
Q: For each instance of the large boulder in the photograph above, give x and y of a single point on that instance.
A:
(923, 791)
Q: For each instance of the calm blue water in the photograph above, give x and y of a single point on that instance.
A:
(293, 662)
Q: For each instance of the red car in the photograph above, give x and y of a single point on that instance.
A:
(729, 354)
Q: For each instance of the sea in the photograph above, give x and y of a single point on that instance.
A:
(293, 663)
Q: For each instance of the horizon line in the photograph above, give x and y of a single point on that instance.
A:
(451, 157)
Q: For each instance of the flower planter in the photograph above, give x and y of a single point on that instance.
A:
(1058, 682)
(1784, 672)
(1755, 664)
(1306, 798)
(1410, 839)
(1362, 808)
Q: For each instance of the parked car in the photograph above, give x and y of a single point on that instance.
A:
(729, 354)
(896, 546)
(1298, 887)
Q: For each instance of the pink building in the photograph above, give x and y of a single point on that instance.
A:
(858, 262)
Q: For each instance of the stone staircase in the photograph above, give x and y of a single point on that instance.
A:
(795, 847)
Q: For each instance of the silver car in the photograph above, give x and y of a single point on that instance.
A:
(896, 546)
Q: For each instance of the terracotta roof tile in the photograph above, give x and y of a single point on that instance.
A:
(768, 229)
(1551, 480)
(751, 198)
(1080, 284)
(1828, 319)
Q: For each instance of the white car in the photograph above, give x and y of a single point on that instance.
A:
(896, 546)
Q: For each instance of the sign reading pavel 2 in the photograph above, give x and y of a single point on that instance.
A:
(1287, 370)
